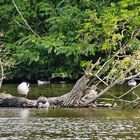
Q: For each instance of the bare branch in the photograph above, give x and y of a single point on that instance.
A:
(128, 91)
(135, 94)
(101, 80)
(24, 19)
(2, 73)
(133, 76)
(22, 25)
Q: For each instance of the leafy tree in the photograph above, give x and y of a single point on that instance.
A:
(62, 38)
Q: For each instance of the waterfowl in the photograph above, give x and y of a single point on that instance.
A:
(132, 82)
(43, 102)
(23, 88)
(39, 82)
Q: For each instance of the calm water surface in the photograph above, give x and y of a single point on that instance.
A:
(67, 124)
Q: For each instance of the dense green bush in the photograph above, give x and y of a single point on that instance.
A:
(71, 34)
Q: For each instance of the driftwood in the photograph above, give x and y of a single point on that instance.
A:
(7, 100)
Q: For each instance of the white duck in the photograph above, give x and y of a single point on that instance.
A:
(43, 102)
(132, 83)
(23, 88)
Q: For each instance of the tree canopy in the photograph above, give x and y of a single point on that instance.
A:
(62, 38)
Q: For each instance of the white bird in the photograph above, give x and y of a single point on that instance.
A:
(23, 88)
(132, 83)
(43, 102)
(39, 82)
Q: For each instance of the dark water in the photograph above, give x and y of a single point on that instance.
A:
(67, 124)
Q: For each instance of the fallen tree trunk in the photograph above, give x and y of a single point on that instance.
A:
(7, 100)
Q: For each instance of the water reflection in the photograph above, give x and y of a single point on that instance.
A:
(69, 124)
(24, 113)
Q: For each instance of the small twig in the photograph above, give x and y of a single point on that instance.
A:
(112, 96)
(109, 74)
(2, 73)
(134, 101)
(112, 58)
(126, 93)
(94, 65)
(118, 98)
(101, 80)
(135, 94)
(22, 25)
(114, 102)
(24, 19)
(133, 76)
(133, 35)
(122, 32)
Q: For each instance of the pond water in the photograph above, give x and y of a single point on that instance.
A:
(67, 124)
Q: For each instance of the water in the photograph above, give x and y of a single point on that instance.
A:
(51, 90)
(67, 124)
(48, 90)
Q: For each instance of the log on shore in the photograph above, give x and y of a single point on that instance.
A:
(7, 100)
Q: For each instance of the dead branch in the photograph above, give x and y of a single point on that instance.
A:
(118, 98)
(133, 76)
(101, 80)
(136, 102)
(2, 73)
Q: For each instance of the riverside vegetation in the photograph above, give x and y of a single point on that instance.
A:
(97, 39)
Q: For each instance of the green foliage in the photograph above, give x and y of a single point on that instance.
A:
(6, 60)
(72, 33)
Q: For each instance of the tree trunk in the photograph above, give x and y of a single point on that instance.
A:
(7, 100)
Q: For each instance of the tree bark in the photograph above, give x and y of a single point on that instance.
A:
(7, 100)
